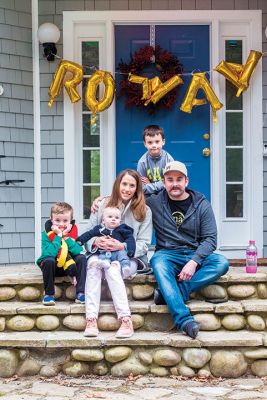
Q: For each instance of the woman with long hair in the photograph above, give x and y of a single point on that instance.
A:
(127, 195)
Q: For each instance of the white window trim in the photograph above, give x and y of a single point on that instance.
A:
(216, 20)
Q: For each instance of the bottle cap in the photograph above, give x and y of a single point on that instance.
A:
(252, 242)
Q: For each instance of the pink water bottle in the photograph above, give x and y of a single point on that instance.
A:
(251, 258)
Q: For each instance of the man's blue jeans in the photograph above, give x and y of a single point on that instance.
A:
(167, 264)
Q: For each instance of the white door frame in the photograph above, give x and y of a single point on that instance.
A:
(232, 235)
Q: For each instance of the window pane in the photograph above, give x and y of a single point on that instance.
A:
(233, 54)
(84, 86)
(91, 166)
(89, 194)
(91, 136)
(234, 129)
(233, 102)
(234, 201)
(233, 51)
(90, 57)
(234, 165)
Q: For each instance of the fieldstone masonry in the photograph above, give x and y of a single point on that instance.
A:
(40, 340)
(121, 361)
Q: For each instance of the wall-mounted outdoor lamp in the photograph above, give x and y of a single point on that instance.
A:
(49, 34)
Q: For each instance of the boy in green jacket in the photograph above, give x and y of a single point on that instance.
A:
(61, 253)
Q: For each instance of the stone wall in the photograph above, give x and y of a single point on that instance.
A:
(122, 361)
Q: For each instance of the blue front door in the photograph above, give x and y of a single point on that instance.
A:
(186, 134)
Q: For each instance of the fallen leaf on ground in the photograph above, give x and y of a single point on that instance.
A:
(13, 378)
(95, 396)
(133, 378)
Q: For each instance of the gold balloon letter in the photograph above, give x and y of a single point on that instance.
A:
(199, 81)
(154, 89)
(239, 75)
(70, 84)
(144, 82)
(90, 95)
(163, 88)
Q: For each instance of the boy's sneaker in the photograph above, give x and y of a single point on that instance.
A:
(91, 329)
(126, 328)
(80, 298)
(48, 300)
(191, 329)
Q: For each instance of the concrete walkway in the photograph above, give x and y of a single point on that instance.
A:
(143, 388)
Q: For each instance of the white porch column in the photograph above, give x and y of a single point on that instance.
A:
(36, 128)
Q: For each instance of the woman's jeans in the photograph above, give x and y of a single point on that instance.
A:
(167, 264)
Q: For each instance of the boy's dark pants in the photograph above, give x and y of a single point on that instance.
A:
(50, 270)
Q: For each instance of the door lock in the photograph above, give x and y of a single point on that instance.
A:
(206, 136)
(206, 152)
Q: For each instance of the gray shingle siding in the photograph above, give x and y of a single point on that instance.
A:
(16, 132)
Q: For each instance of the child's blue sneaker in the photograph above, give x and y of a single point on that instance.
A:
(48, 300)
(80, 298)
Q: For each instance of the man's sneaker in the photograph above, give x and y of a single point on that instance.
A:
(80, 298)
(158, 298)
(126, 328)
(91, 329)
(191, 329)
(48, 300)
(126, 272)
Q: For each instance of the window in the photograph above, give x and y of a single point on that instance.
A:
(234, 138)
(90, 133)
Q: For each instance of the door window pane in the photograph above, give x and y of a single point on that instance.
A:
(233, 54)
(91, 166)
(91, 132)
(232, 102)
(234, 138)
(234, 129)
(234, 201)
(234, 165)
(84, 86)
(90, 57)
(89, 194)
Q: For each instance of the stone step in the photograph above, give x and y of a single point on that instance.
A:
(25, 283)
(231, 315)
(226, 354)
(174, 338)
(16, 274)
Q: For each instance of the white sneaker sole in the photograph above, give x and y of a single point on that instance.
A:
(124, 336)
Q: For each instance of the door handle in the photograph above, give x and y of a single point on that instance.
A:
(206, 152)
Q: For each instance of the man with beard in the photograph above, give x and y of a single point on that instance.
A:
(186, 237)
